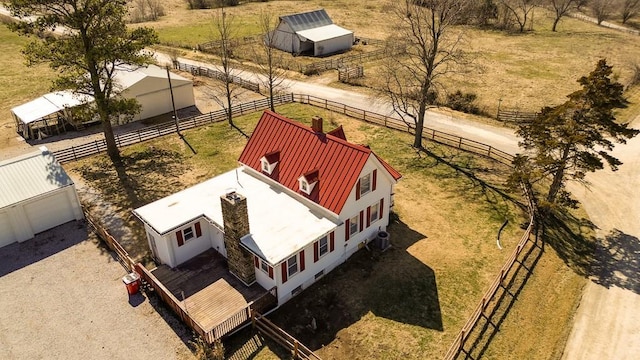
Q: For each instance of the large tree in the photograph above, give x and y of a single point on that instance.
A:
(225, 28)
(521, 11)
(568, 141)
(94, 44)
(629, 9)
(424, 29)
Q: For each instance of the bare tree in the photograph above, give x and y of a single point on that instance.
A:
(560, 9)
(146, 10)
(224, 26)
(424, 28)
(520, 9)
(270, 60)
(601, 9)
(629, 9)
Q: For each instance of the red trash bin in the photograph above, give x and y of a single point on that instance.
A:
(132, 282)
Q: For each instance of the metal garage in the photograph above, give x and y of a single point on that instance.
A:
(37, 195)
(51, 113)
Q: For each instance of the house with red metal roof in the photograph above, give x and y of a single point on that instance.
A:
(301, 202)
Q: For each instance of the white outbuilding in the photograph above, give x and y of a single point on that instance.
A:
(311, 32)
(52, 113)
(37, 195)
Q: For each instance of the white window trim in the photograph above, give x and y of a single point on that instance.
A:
(267, 166)
(185, 238)
(354, 223)
(368, 190)
(289, 274)
(264, 264)
(320, 253)
(305, 186)
(377, 207)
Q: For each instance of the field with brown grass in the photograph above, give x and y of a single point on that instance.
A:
(518, 71)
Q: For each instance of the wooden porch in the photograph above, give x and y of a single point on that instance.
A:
(215, 300)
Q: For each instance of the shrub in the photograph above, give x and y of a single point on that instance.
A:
(463, 102)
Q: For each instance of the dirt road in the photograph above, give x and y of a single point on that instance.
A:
(607, 324)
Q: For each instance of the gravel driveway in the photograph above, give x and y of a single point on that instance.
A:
(62, 297)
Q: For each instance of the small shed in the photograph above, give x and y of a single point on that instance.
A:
(311, 32)
(37, 195)
(51, 113)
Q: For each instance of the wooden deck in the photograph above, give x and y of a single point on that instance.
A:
(210, 294)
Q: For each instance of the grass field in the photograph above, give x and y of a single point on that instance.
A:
(523, 71)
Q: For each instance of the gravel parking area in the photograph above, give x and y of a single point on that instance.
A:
(62, 297)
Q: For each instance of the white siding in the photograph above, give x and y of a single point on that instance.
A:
(217, 239)
(330, 46)
(7, 236)
(191, 247)
(159, 102)
(353, 207)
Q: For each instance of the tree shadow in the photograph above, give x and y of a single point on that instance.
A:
(613, 260)
(247, 344)
(391, 284)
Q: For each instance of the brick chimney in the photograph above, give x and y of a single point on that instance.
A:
(236, 225)
(316, 124)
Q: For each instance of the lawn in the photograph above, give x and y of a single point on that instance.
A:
(407, 302)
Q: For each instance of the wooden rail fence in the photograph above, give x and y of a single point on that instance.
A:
(457, 345)
(516, 116)
(266, 327)
(215, 74)
(223, 328)
(345, 74)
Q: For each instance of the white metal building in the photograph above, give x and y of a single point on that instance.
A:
(48, 114)
(37, 195)
(312, 32)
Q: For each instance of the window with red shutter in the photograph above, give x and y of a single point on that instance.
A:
(369, 216)
(374, 180)
(358, 190)
(283, 268)
(346, 230)
(301, 260)
(332, 242)
(198, 229)
(316, 255)
(361, 220)
(256, 261)
(381, 207)
(180, 238)
(270, 272)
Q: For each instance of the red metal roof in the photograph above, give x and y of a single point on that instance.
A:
(338, 162)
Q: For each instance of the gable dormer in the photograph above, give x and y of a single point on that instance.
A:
(308, 181)
(269, 161)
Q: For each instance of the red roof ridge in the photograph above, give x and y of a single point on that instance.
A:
(308, 128)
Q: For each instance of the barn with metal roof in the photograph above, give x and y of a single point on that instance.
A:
(37, 195)
(311, 32)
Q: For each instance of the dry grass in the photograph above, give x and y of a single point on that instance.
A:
(19, 82)
(527, 71)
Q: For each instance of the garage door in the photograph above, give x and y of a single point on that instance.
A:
(48, 212)
(6, 232)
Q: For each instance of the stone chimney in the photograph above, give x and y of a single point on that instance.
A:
(236, 225)
(316, 124)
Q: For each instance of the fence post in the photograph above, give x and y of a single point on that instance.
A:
(295, 349)
(73, 150)
(97, 147)
(489, 152)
